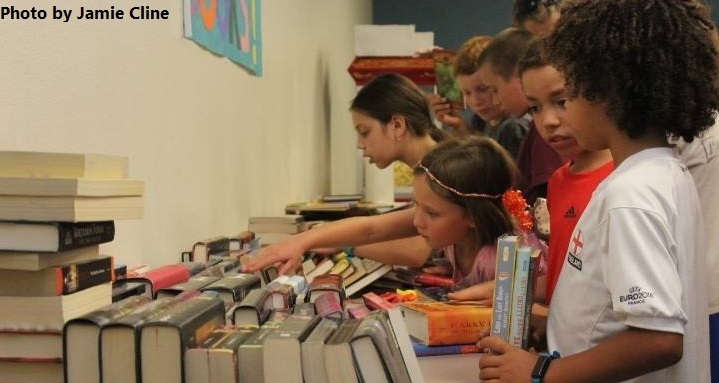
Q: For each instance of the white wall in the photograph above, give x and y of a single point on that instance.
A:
(213, 143)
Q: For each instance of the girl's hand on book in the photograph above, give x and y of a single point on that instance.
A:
(481, 292)
(284, 253)
(504, 362)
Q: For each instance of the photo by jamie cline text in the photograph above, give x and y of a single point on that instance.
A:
(139, 12)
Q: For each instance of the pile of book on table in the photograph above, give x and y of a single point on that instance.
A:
(55, 211)
(222, 325)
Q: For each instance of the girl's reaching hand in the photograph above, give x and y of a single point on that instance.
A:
(286, 253)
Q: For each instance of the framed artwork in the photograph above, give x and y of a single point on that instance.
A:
(229, 28)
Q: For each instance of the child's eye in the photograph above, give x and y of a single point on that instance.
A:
(562, 102)
(533, 109)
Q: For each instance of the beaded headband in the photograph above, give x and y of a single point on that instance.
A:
(455, 191)
(513, 200)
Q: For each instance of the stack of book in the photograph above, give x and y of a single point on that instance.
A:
(273, 229)
(55, 211)
(515, 277)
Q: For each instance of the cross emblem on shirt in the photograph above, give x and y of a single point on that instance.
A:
(577, 243)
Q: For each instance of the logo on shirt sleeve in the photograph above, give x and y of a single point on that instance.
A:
(636, 296)
(574, 249)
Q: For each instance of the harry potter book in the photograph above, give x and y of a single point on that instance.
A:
(438, 323)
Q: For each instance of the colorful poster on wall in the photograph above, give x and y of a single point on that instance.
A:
(230, 28)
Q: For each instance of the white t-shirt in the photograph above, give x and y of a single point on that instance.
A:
(701, 157)
(635, 260)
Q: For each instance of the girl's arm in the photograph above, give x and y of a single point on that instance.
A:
(629, 354)
(412, 251)
(347, 232)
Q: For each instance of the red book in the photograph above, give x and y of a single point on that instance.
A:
(162, 277)
(376, 302)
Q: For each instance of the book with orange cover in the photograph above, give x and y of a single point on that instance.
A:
(440, 323)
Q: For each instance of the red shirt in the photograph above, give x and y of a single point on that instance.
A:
(567, 196)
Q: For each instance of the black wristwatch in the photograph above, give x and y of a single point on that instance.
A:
(542, 365)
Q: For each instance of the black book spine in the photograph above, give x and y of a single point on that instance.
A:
(81, 276)
(73, 235)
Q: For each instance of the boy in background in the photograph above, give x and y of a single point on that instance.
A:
(498, 69)
(630, 303)
(489, 118)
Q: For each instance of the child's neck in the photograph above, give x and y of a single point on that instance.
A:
(590, 160)
(623, 147)
(465, 254)
(416, 149)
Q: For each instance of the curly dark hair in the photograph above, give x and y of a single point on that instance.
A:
(653, 62)
(473, 164)
(391, 93)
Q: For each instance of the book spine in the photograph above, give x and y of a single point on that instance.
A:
(506, 256)
(520, 289)
(81, 276)
(452, 349)
(80, 234)
(329, 305)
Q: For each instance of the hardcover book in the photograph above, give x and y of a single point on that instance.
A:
(51, 313)
(377, 271)
(281, 295)
(233, 288)
(30, 345)
(161, 277)
(326, 283)
(241, 240)
(34, 261)
(323, 267)
(54, 236)
(58, 280)
(377, 354)
(195, 283)
(312, 350)
(202, 250)
(439, 323)
(401, 335)
(328, 305)
(123, 289)
(504, 277)
(285, 344)
(522, 296)
(31, 371)
(287, 219)
(254, 309)
(214, 360)
(450, 349)
(376, 302)
(251, 353)
(339, 360)
(62, 165)
(163, 341)
(120, 343)
(72, 209)
(81, 359)
(84, 187)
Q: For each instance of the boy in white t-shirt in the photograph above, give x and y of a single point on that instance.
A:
(630, 303)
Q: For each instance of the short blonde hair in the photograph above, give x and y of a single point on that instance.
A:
(467, 60)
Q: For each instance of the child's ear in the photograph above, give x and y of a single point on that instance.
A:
(399, 125)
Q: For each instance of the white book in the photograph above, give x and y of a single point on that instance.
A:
(62, 165)
(73, 209)
(87, 187)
